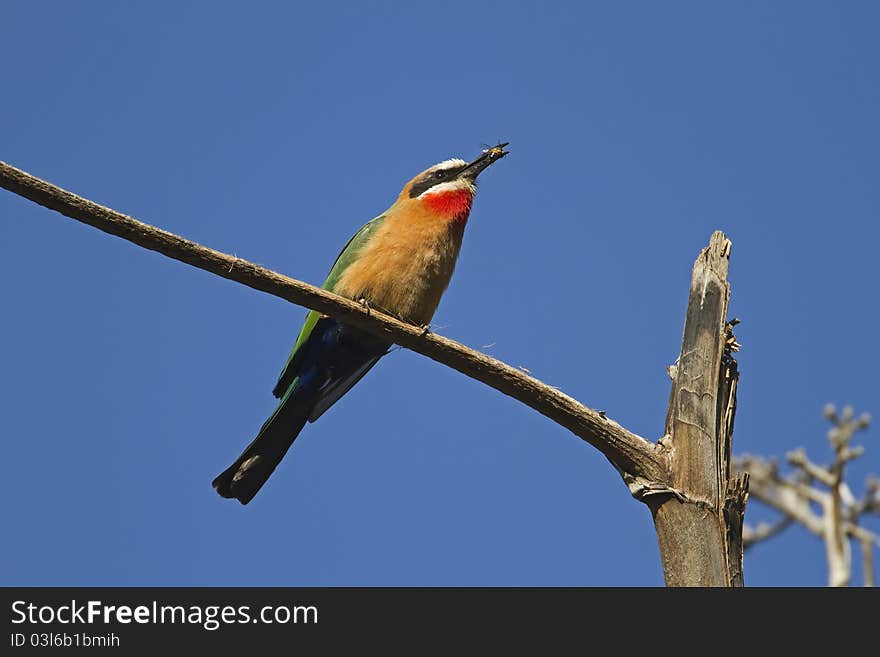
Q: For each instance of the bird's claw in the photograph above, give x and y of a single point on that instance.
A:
(366, 304)
(426, 328)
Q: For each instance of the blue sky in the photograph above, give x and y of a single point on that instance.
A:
(274, 130)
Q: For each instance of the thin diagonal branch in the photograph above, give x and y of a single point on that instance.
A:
(787, 496)
(764, 530)
(798, 458)
(634, 456)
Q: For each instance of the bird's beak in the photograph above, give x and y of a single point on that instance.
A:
(487, 157)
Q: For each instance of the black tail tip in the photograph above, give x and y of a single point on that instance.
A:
(225, 486)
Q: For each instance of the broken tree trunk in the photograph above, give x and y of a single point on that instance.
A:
(699, 523)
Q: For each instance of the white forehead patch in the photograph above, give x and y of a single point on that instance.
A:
(448, 164)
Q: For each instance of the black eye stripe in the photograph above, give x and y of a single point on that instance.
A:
(430, 179)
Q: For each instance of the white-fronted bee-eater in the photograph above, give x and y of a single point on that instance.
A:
(400, 263)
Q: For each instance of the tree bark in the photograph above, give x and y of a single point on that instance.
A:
(699, 525)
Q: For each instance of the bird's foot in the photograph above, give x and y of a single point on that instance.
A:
(426, 328)
(366, 304)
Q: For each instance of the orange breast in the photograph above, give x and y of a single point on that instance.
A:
(407, 265)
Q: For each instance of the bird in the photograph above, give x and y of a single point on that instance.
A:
(400, 263)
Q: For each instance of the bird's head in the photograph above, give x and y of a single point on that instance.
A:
(446, 190)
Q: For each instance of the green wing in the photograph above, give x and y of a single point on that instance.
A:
(345, 258)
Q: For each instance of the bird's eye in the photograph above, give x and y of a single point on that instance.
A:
(440, 175)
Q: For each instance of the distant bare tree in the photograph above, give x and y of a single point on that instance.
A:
(818, 498)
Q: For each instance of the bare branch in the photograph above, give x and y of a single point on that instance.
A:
(764, 530)
(837, 547)
(862, 534)
(868, 562)
(798, 458)
(870, 503)
(841, 501)
(796, 496)
(639, 459)
(785, 495)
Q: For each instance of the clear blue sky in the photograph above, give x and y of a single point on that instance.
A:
(274, 130)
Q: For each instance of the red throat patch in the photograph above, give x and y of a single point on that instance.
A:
(454, 205)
